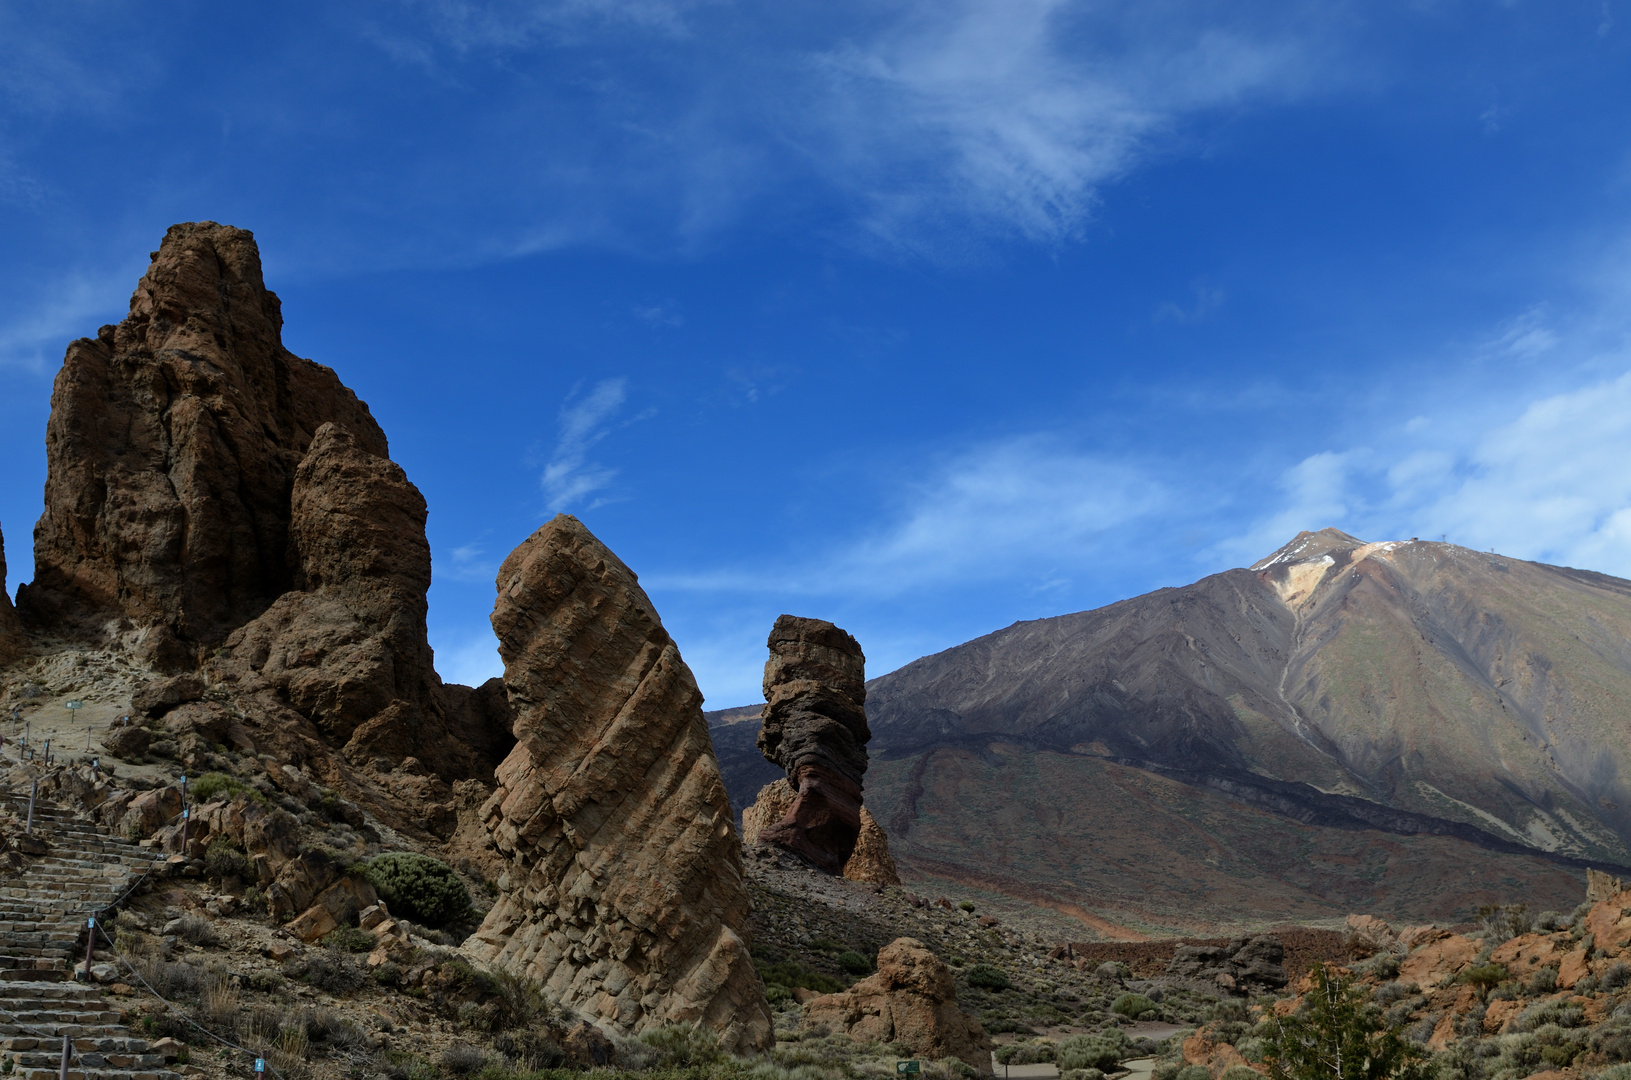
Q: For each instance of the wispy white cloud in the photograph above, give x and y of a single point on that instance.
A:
(1004, 114)
(470, 658)
(1029, 510)
(569, 476)
(69, 308)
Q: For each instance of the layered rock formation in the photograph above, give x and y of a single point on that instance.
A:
(172, 447)
(624, 892)
(815, 728)
(911, 1000)
(11, 632)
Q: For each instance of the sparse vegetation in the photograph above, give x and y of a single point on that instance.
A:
(987, 977)
(1338, 1032)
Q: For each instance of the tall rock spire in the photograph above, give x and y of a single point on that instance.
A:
(624, 893)
(171, 453)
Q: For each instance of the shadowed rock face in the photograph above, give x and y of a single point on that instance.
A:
(348, 649)
(815, 728)
(624, 892)
(11, 632)
(171, 452)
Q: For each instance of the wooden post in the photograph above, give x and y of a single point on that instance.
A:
(67, 1048)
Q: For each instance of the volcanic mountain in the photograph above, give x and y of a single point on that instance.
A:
(1410, 727)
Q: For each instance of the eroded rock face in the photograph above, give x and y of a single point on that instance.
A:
(912, 999)
(11, 631)
(171, 450)
(1245, 963)
(815, 728)
(624, 892)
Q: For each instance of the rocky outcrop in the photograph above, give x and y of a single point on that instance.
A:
(815, 728)
(11, 631)
(911, 1000)
(1246, 963)
(171, 452)
(870, 861)
(347, 649)
(623, 892)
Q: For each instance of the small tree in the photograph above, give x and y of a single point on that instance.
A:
(1338, 1034)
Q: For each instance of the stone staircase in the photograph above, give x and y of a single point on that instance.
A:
(43, 911)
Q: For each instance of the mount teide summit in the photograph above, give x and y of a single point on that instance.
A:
(1411, 726)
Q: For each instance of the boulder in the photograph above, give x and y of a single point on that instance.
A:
(341, 904)
(911, 1000)
(159, 696)
(150, 810)
(623, 891)
(1439, 961)
(126, 740)
(1368, 935)
(815, 728)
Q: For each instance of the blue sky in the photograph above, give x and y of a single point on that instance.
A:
(923, 318)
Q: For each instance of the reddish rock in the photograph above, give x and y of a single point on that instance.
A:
(1574, 966)
(815, 728)
(1528, 953)
(1439, 961)
(623, 892)
(171, 451)
(912, 1000)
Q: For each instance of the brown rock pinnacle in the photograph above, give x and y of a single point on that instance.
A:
(815, 728)
(11, 632)
(624, 892)
(171, 452)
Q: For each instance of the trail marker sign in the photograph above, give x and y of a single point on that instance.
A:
(908, 1068)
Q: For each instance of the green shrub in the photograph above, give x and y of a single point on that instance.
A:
(822, 944)
(684, 1045)
(777, 994)
(350, 939)
(1239, 1072)
(419, 887)
(853, 962)
(1102, 1051)
(987, 977)
(223, 859)
(1484, 976)
(212, 784)
(965, 905)
(1081, 1074)
(790, 974)
(1133, 1006)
